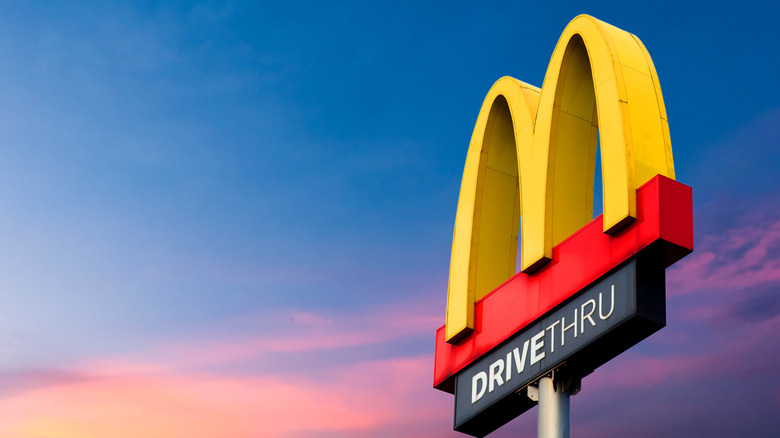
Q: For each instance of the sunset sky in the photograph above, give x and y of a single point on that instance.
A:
(234, 219)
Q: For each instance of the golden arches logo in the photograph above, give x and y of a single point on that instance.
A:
(533, 154)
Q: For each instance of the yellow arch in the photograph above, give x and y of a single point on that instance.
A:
(533, 153)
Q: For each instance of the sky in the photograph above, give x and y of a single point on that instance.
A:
(234, 219)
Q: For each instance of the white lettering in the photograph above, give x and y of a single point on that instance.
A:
(508, 375)
(551, 328)
(520, 362)
(564, 327)
(477, 394)
(583, 316)
(611, 306)
(496, 369)
(537, 343)
(501, 371)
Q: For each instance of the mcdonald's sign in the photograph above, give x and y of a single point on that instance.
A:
(529, 177)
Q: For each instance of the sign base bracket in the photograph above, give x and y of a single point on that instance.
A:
(552, 392)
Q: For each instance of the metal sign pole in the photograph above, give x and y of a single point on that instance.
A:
(552, 392)
(554, 409)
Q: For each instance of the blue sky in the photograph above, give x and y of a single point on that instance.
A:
(231, 201)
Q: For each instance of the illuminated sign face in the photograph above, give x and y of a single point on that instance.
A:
(530, 167)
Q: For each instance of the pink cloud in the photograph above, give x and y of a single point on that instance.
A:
(300, 374)
(723, 316)
(736, 258)
(133, 400)
(294, 331)
(152, 395)
(186, 405)
(742, 351)
(644, 372)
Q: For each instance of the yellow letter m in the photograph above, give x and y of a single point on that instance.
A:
(532, 156)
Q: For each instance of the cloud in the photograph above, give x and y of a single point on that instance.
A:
(17, 381)
(723, 316)
(290, 338)
(743, 256)
(150, 394)
(177, 404)
(711, 355)
(721, 382)
(349, 373)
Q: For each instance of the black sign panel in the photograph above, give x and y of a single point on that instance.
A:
(595, 325)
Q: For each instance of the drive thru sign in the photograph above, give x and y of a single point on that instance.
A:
(588, 289)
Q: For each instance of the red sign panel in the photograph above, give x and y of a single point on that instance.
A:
(664, 225)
